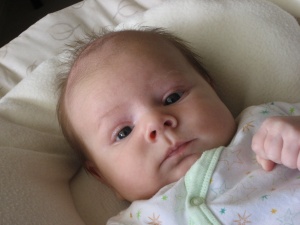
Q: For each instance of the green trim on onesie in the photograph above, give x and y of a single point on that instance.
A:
(197, 182)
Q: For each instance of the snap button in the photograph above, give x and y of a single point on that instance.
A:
(196, 201)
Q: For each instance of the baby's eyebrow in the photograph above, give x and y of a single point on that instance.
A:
(109, 113)
(176, 78)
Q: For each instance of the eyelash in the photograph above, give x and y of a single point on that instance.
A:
(166, 102)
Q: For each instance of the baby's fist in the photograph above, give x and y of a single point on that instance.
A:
(278, 141)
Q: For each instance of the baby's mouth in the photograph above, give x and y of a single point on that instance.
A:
(178, 149)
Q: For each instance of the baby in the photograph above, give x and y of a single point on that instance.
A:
(141, 111)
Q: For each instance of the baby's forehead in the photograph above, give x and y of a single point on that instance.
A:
(123, 40)
(111, 45)
(117, 42)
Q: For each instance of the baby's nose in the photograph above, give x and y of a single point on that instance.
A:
(157, 123)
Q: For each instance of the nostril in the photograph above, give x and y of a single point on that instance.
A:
(153, 134)
(168, 123)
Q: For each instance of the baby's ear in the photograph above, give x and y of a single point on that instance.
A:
(93, 170)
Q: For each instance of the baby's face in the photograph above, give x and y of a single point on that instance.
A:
(145, 114)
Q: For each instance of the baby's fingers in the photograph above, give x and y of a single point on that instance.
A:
(267, 145)
(291, 155)
(278, 140)
(258, 146)
(268, 142)
(258, 142)
(267, 165)
(273, 145)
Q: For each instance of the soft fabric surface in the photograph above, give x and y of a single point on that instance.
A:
(251, 48)
(35, 163)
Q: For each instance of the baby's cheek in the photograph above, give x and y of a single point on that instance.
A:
(135, 187)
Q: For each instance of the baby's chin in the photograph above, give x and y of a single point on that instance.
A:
(179, 168)
(178, 173)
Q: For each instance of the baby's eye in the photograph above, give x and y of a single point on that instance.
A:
(172, 98)
(123, 133)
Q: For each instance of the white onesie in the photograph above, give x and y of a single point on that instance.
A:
(226, 185)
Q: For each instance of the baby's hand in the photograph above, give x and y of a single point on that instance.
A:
(278, 141)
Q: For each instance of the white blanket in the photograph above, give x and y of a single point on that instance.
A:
(250, 47)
